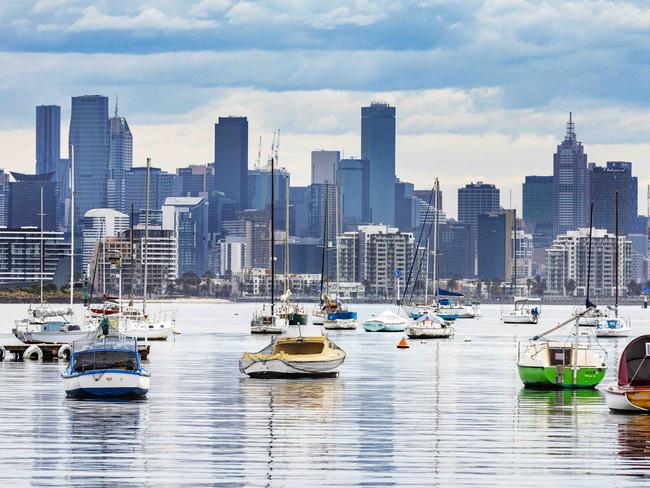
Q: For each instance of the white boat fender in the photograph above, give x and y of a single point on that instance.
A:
(468, 339)
(31, 350)
(3, 353)
(64, 351)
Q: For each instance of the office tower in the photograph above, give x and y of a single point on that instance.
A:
(25, 201)
(537, 194)
(162, 186)
(100, 223)
(299, 217)
(567, 259)
(353, 179)
(378, 146)
(188, 218)
(323, 205)
(120, 161)
(323, 166)
(48, 138)
(456, 250)
(21, 256)
(407, 207)
(605, 181)
(89, 135)
(305, 255)
(231, 158)
(571, 193)
(221, 208)
(259, 192)
(494, 245)
(254, 227)
(476, 199)
(196, 179)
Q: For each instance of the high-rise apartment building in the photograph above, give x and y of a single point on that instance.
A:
(571, 193)
(48, 138)
(605, 181)
(100, 223)
(231, 158)
(89, 136)
(188, 218)
(323, 166)
(407, 207)
(476, 199)
(537, 194)
(378, 147)
(120, 160)
(353, 179)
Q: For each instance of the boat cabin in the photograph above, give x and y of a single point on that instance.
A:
(105, 354)
(634, 365)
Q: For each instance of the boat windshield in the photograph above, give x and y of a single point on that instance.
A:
(299, 347)
(91, 360)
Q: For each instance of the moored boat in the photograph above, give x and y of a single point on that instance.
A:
(430, 327)
(341, 320)
(387, 321)
(106, 367)
(307, 354)
(49, 324)
(631, 391)
(525, 311)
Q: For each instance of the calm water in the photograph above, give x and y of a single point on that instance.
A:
(447, 412)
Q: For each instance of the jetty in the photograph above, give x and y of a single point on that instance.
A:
(49, 352)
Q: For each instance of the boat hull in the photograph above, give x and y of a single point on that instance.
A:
(107, 383)
(627, 399)
(519, 319)
(552, 377)
(373, 326)
(429, 332)
(277, 368)
(623, 332)
(298, 319)
(155, 334)
(340, 324)
(51, 337)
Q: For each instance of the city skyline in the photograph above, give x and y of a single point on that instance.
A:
(477, 78)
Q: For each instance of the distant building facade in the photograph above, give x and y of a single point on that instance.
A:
(324, 165)
(353, 179)
(537, 194)
(495, 245)
(120, 160)
(25, 201)
(605, 181)
(100, 223)
(476, 199)
(231, 158)
(456, 255)
(188, 218)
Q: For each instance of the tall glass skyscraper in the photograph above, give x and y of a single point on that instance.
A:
(353, 179)
(537, 194)
(48, 138)
(89, 134)
(570, 184)
(378, 146)
(231, 158)
(120, 160)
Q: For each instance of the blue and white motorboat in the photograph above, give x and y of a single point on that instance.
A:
(341, 320)
(612, 327)
(387, 321)
(106, 367)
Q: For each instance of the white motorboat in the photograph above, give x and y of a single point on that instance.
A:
(387, 321)
(307, 354)
(526, 311)
(265, 323)
(430, 326)
(631, 391)
(50, 324)
(106, 367)
(134, 323)
(612, 327)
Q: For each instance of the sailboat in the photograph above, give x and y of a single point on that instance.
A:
(338, 317)
(292, 312)
(610, 324)
(51, 324)
(631, 391)
(526, 310)
(570, 362)
(263, 321)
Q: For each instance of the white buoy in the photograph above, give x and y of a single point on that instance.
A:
(468, 339)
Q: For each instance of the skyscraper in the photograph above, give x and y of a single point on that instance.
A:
(571, 192)
(89, 135)
(605, 181)
(495, 245)
(120, 160)
(48, 138)
(162, 185)
(476, 199)
(188, 218)
(353, 179)
(25, 201)
(538, 208)
(231, 158)
(378, 146)
(323, 166)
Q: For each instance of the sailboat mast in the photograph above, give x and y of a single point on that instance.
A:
(616, 257)
(515, 251)
(272, 236)
(42, 246)
(591, 226)
(322, 266)
(132, 259)
(71, 225)
(336, 243)
(146, 238)
(426, 277)
(286, 233)
(435, 242)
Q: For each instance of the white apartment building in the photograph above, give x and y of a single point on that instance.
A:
(567, 259)
(100, 223)
(524, 255)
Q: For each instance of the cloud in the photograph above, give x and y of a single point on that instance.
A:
(92, 19)
(207, 7)
(43, 6)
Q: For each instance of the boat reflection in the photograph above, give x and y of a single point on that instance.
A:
(565, 401)
(633, 436)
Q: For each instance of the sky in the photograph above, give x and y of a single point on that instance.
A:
(482, 88)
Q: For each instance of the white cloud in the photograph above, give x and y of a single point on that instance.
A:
(206, 7)
(43, 6)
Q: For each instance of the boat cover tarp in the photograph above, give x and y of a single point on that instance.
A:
(389, 317)
(432, 318)
(447, 293)
(634, 366)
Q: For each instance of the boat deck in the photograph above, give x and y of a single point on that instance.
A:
(51, 351)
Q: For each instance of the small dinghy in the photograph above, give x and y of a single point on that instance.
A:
(106, 367)
(308, 354)
(631, 392)
(387, 321)
(430, 327)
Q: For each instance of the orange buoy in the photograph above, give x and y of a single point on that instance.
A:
(402, 344)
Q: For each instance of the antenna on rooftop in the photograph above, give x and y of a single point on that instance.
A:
(116, 100)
